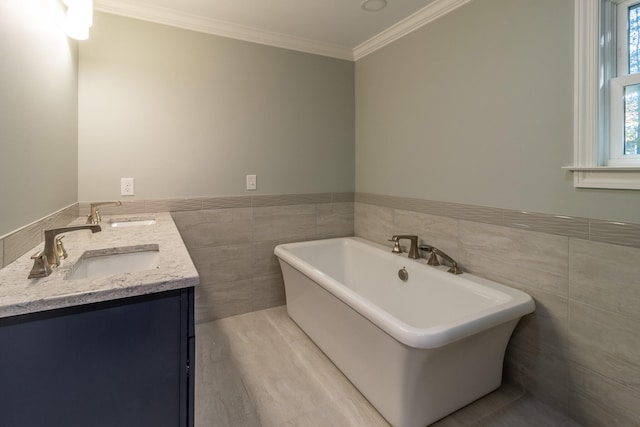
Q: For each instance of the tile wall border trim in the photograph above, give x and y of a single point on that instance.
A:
(614, 232)
(219, 202)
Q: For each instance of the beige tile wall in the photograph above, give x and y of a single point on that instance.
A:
(580, 350)
(232, 247)
(604, 333)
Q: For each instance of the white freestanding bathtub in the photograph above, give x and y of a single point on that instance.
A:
(417, 349)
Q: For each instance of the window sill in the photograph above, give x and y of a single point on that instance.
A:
(614, 177)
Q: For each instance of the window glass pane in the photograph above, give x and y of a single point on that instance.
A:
(634, 38)
(631, 122)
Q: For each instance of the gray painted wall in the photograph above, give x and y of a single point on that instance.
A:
(190, 114)
(477, 108)
(38, 113)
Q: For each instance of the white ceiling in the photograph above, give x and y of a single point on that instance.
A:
(337, 28)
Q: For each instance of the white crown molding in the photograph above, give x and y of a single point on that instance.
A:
(427, 14)
(174, 18)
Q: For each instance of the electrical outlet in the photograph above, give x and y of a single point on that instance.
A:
(126, 187)
(252, 182)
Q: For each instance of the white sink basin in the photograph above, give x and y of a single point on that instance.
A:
(105, 262)
(133, 222)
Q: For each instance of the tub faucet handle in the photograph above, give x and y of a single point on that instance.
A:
(433, 258)
(396, 246)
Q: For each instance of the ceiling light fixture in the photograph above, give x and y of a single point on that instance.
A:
(373, 5)
(79, 18)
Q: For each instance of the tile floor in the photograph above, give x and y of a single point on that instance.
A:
(260, 370)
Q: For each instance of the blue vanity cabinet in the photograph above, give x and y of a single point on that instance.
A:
(127, 362)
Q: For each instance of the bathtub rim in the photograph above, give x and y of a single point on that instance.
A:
(518, 304)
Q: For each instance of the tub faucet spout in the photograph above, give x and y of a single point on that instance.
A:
(413, 250)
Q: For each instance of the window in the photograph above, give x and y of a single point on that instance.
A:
(607, 94)
(624, 87)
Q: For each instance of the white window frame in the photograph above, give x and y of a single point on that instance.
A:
(621, 35)
(617, 85)
(591, 168)
(616, 142)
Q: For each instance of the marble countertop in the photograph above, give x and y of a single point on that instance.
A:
(20, 295)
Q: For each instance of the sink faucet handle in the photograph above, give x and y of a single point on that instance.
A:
(94, 214)
(41, 267)
(62, 252)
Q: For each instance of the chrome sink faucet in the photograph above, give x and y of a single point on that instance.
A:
(94, 215)
(50, 257)
(433, 258)
(413, 250)
(51, 243)
(45, 260)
